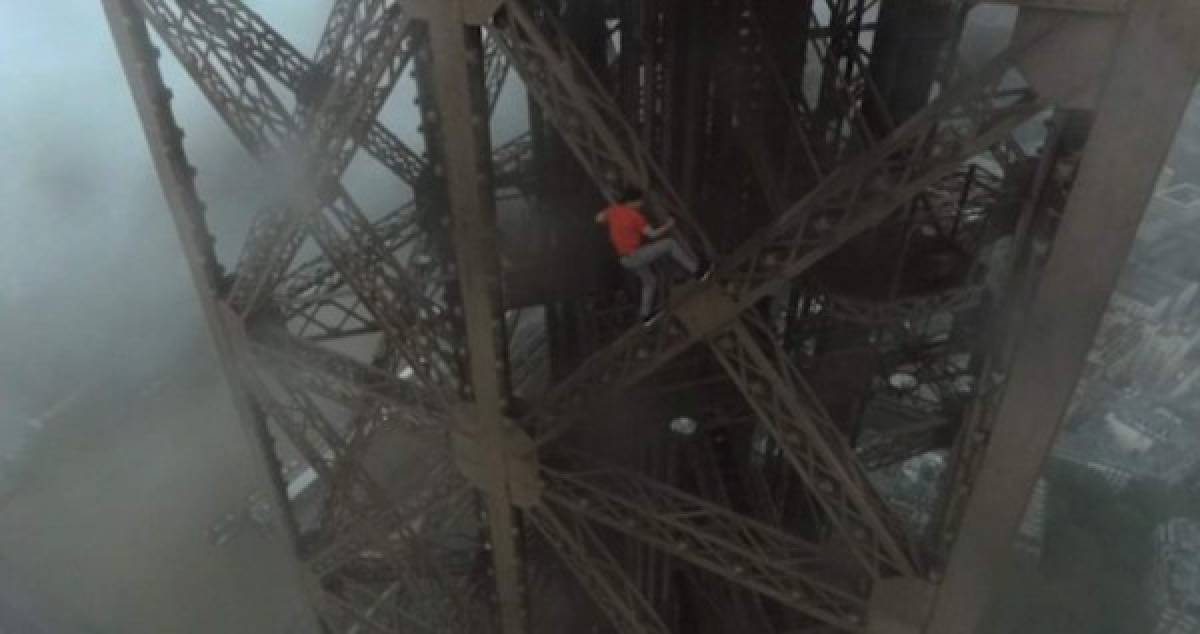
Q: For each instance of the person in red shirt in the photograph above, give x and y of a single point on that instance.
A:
(638, 247)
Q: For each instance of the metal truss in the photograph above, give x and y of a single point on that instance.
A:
(511, 162)
(496, 66)
(968, 119)
(965, 121)
(653, 568)
(816, 448)
(933, 144)
(910, 308)
(742, 551)
(1051, 182)
(349, 383)
(258, 41)
(231, 38)
(152, 99)
(586, 117)
(362, 74)
(373, 608)
(315, 295)
(482, 442)
(812, 141)
(352, 243)
(741, 609)
(376, 558)
(322, 442)
(596, 569)
(359, 526)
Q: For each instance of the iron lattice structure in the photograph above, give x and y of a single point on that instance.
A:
(509, 454)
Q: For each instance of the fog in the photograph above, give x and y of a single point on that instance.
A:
(119, 447)
(118, 444)
(120, 453)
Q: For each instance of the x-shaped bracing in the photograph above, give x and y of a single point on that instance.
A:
(853, 198)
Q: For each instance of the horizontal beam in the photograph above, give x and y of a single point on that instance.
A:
(741, 550)
(598, 572)
(788, 409)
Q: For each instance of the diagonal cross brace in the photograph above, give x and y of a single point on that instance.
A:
(361, 256)
(328, 141)
(967, 119)
(741, 550)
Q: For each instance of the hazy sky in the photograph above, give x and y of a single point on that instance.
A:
(97, 308)
(90, 268)
(88, 254)
(96, 302)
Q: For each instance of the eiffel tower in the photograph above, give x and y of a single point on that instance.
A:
(914, 224)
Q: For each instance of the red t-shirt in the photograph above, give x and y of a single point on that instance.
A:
(625, 225)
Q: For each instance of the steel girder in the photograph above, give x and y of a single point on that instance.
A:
(1114, 182)
(966, 120)
(496, 66)
(1007, 114)
(725, 541)
(511, 162)
(350, 383)
(254, 39)
(332, 364)
(742, 551)
(816, 448)
(911, 308)
(349, 240)
(360, 78)
(653, 568)
(258, 41)
(332, 451)
(597, 571)
(745, 610)
(1024, 269)
(359, 525)
(732, 542)
(139, 60)
(586, 117)
(315, 293)
(480, 442)
(813, 146)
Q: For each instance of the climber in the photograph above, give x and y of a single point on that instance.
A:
(627, 229)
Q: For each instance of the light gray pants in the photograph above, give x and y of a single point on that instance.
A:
(640, 261)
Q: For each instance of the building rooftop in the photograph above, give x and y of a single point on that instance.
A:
(1150, 286)
(1136, 435)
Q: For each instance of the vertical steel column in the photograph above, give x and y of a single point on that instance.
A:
(909, 43)
(1116, 177)
(694, 110)
(461, 96)
(152, 99)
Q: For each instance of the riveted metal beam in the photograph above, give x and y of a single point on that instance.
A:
(462, 108)
(139, 60)
(1114, 184)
